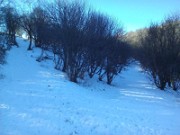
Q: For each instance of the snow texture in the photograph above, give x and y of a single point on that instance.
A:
(36, 99)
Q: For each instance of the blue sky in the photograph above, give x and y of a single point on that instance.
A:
(135, 14)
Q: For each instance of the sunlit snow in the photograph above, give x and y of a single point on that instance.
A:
(36, 99)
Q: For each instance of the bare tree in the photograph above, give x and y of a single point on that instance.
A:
(27, 24)
(73, 41)
(11, 19)
(96, 27)
(105, 44)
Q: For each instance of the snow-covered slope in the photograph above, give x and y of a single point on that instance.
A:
(36, 99)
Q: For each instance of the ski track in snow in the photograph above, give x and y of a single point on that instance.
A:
(36, 99)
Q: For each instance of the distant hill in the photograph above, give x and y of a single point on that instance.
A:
(133, 37)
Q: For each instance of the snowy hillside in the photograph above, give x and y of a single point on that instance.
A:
(36, 99)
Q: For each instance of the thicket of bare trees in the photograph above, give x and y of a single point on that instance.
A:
(82, 41)
(2, 37)
(161, 53)
(87, 42)
(11, 21)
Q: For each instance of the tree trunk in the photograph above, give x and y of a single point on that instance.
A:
(14, 40)
(109, 78)
(64, 66)
(73, 79)
(30, 43)
(174, 86)
(66, 62)
(162, 84)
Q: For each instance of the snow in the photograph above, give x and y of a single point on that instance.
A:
(36, 99)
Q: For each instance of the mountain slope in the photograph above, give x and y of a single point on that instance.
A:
(36, 99)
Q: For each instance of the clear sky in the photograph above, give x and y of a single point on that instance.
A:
(135, 14)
